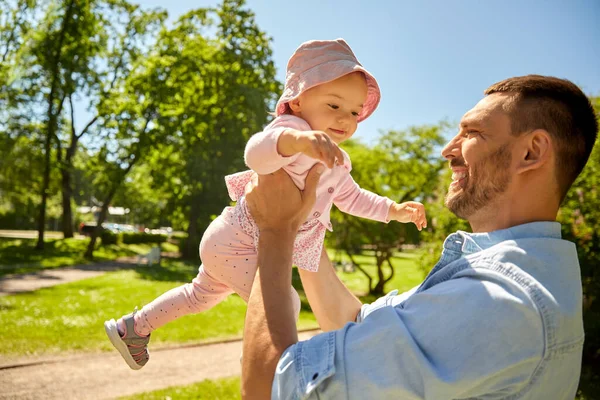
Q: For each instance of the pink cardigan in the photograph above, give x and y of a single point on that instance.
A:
(336, 185)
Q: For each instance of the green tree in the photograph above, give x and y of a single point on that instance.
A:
(125, 30)
(20, 144)
(130, 128)
(61, 53)
(218, 79)
(41, 70)
(403, 165)
(580, 218)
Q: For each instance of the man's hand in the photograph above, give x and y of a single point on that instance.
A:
(277, 204)
(410, 211)
(315, 144)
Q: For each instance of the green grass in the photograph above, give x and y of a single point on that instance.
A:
(70, 317)
(19, 256)
(221, 389)
(407, 273)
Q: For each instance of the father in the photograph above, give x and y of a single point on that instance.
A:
(498, 317)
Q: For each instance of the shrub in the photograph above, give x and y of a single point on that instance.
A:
(107, 237)
(137, 238)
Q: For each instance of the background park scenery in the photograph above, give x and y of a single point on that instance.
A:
(118, 123)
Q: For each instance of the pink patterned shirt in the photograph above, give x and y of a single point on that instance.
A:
(336, 186)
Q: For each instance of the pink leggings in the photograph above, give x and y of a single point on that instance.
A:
(228, 265)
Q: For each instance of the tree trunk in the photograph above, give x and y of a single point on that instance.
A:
(361, 269)
(66, 171)
(190, 248)
(89, 253)
(379, 286)
(392, 270)
(51, 128)
(378, 289)
(67, 194)
(45, 187)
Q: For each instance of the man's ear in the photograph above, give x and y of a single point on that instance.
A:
(295, 105)
(537, 149)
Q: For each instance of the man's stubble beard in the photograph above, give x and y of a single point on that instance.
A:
(489, 179)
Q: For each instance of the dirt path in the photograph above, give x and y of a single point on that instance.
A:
(106, 376)
(16, 234)
(18, 283)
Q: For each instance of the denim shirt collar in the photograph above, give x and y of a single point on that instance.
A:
(469, 243)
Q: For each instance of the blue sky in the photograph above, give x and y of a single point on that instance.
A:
(433, 59)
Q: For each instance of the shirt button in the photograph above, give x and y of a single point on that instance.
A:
(330, 190)
(316, 214)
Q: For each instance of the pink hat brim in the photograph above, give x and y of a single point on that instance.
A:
(327, 72)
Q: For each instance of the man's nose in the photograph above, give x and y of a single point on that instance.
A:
(452, 149)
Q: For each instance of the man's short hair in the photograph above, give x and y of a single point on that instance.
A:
(559, 107)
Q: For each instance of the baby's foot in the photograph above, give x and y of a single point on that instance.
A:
(132, 346)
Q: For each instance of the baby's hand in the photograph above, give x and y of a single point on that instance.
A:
(410, 211)
(318, 145)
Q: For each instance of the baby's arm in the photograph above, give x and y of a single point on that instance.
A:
(353, 200)
(262, 155)
(283, 141)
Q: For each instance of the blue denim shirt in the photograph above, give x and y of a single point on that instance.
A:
(498, 317)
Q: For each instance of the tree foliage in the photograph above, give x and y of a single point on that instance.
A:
(580, 218)
(402, 165)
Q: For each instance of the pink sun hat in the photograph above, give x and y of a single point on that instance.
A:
(320, 61)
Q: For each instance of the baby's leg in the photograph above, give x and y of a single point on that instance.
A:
(228, 265)
(203, 293)
(238, 272)
(222, 241)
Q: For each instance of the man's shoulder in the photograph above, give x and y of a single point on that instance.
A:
(551, 252)
(545, 271)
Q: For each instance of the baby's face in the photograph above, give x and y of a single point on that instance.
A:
(333, 107)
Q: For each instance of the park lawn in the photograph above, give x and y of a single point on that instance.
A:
(226, 388)
(407, 274)
(19, 256)
(70, 317)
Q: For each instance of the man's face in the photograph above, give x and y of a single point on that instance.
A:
(480, 158)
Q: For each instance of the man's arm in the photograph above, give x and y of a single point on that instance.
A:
(270, 327)
(469, 337)
(330, 300)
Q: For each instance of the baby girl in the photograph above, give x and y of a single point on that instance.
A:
(327, 93)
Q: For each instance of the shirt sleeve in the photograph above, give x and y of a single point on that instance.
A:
(351, 199)
(464, 338)
(261, 153)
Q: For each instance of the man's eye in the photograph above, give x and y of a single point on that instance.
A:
(470, 133)
(335, 107)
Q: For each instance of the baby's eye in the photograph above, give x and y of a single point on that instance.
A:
(335, 107)
(355, 113)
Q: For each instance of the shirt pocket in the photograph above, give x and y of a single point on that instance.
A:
(303, 367)
(316, 364)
